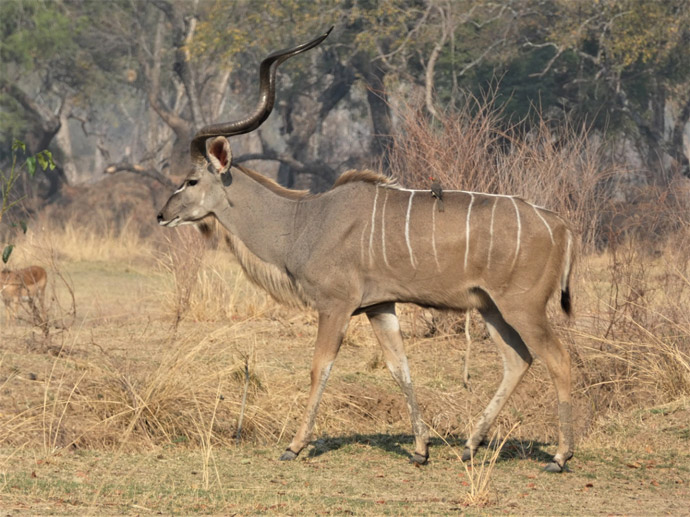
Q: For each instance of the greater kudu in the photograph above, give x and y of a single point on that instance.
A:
(367, 244)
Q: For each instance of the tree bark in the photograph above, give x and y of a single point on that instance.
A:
(379, 109)
(179, 126)
(302, 123)
(677, 143)
(63, 139)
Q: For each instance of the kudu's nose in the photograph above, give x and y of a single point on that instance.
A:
(159, 217)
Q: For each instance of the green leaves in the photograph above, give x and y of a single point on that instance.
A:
(17, 145)
(7, 252)
(21, 224)
(31, 165)
(43, 159)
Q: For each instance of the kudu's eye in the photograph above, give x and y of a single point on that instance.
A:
(191, 183)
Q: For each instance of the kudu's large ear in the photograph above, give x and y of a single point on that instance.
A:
(219, 154)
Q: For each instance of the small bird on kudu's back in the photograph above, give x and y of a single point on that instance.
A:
(437, 192)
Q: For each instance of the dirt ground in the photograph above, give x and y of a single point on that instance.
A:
(354, 474)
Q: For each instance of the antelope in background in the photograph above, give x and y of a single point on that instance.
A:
(368, 244)
(22, 285)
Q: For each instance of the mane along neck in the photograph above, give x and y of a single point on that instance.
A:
(351, 176)
(365, 176)
(273, 186)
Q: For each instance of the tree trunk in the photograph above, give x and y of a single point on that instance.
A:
(379, 109)
(181, 128)
(657, 159)
(63, 139)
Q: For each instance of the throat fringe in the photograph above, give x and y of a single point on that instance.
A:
(275, 281)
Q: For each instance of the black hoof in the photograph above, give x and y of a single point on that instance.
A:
(418, 459)
(467, 454)
(288, 455)
(554, 467)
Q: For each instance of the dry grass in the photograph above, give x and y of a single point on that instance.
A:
(632, 337)
(480, 472)
(70, 241)
(206, 284)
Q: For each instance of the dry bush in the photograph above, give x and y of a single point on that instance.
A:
(556, 166)
(650, 215)
(207, 284)
(480, 471)
(123, 202)
(195, 391)
(225, 293)
(182, 259)
(193, 396)
(632, 337)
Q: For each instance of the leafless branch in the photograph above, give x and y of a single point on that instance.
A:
(431, 65)
(549, 64)
(100, 137)
(140, 169)
(502, 8)
(273, 156)
(481, 57)
(386, 56)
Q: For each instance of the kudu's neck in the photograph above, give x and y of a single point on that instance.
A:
(259, 217)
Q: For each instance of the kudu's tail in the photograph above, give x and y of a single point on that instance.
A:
(566, 302)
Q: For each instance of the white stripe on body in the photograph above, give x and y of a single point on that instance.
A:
(467, 229)
(373, 227)
(491, 234)
(383, 230)
(361, 244)
(433, 233)
(407, 230)
(519, 231)
(447, 191)
(545, 223)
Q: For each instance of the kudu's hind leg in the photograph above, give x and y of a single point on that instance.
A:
(516, 361)
(387, 329)
(329, 337)
(544, 343)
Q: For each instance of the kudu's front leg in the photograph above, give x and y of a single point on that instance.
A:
(387, 329)
(332, 327)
